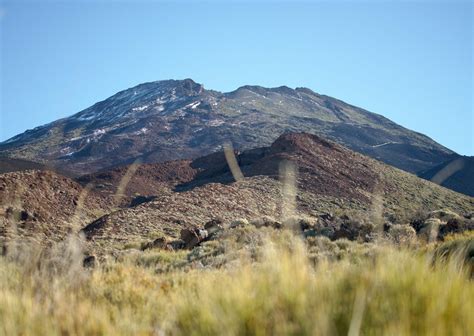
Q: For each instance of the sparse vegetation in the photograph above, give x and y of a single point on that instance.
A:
(250, 280)
(316, 255)
(402, 234)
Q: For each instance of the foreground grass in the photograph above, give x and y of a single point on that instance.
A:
(393, 292)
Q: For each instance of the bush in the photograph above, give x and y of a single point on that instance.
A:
(355, 230)
(430, 230)
(239, 222)
(266, 221)
(443, 215)
(456, 225)
(401, 234)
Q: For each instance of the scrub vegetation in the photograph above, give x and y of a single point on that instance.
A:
(251, 280)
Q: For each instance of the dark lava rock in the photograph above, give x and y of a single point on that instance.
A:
(140, 200)
(89, 261)
(193, 237)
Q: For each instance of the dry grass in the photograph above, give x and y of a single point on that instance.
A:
(391, 291)
(249, 281)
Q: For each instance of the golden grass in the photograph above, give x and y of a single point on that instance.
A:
(392, 292)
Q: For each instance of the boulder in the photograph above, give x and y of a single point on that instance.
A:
(326, 216)
(140, 200)
(306, 223)
(89, 261)
(193, 236)
(177, 244)
(213, 226)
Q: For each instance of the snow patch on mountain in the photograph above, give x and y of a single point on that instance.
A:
(215, 122)
(87, 117)
(143, 130)
(99, 132)
(159, 108)
(194, 105)
(140, 108)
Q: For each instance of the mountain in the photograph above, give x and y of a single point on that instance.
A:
(456, 174)
(135, 202)
(176, 119)
(330, 179)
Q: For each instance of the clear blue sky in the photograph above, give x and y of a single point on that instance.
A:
(409, 61)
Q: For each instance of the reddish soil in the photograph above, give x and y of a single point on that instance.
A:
(44, 205)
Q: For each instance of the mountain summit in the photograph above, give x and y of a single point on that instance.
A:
(173, 119)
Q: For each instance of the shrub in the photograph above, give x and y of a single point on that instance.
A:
(239, 222)
(133, 245)
(401, 234)
(417, 220)
(430, 230)
(355, 230)
(456, 225)
(266, 221)
(443, 215)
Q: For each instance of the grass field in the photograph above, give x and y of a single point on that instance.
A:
(277, 287)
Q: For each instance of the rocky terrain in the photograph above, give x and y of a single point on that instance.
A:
(169, 120)
(44, 207)
(277, 231)
(331, 180)
(140, 181)
(334, 186)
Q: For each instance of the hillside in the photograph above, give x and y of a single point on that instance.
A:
(179, 119)
(139, 180)
(456, 174)
(8, 165)
(330, 180)
(145, 200)
(44, 206)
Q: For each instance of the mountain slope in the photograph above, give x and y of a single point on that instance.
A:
(330, 179)
(167, 120)
(44, 206)
(456, 174)
(8, 165)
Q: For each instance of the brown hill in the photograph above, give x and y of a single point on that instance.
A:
(138, 180)
(323, 167)
(44, 206)
(330, 179)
